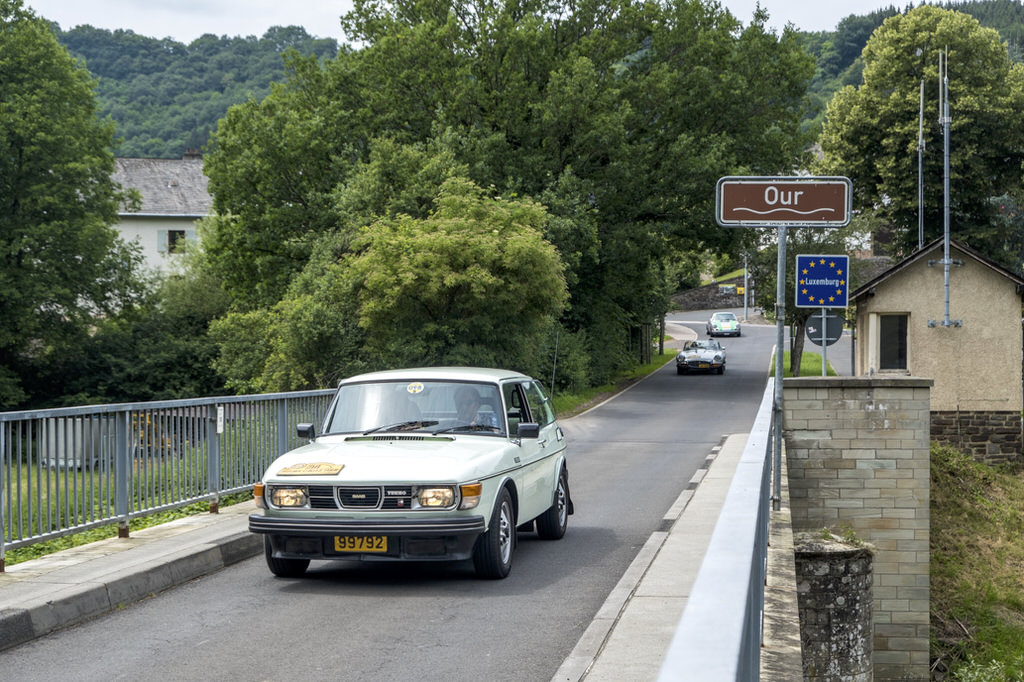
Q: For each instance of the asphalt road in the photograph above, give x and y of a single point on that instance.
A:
(629, 459)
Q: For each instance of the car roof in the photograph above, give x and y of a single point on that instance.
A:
(480, 374)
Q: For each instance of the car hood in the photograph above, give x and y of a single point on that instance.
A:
(727, 324)
(703, 353)
(394, 459)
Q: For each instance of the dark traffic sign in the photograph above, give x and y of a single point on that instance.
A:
(779, 201)
(833, 329)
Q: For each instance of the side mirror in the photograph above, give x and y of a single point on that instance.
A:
(306, 431)
(528, 430)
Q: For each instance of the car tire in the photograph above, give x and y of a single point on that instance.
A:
(492, 554)
(283, 568)
(552, 523)
(721, 370)
(680, 370)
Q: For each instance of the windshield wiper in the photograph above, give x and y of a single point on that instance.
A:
(466, 427)
(400, 426)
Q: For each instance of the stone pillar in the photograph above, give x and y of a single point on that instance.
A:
(857, 451)
(834, 593)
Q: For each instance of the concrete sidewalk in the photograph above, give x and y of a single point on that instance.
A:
(68, 587)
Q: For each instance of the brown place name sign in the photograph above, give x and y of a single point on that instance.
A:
(776, 201)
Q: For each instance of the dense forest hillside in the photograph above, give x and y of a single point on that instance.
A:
(838, 52)
(166, 96)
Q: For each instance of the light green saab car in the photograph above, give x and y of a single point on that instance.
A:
(438, 464)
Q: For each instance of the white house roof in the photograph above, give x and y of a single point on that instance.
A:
(169, 187)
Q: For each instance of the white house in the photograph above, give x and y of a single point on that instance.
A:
(174, 196)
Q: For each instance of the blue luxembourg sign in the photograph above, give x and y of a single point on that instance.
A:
(822, 281)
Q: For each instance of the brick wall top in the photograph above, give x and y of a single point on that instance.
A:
(858, 382)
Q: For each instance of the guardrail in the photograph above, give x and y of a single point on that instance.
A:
(720, 632)
(66, 470)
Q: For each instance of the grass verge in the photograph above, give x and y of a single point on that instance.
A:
(810, 365)
(977, 569)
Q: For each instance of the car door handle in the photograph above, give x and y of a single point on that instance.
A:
(542, 442)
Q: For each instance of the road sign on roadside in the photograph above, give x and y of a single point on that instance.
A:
(830, 332)
(776, 201)
(822, 281)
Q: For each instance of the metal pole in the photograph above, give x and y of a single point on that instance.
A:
(123, 446)
(824, 343)
(780, 347)
(945, 183)
(3, 499)
(920, 172)
(746, 290)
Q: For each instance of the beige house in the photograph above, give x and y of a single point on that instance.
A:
(970, 343)
(174, 196)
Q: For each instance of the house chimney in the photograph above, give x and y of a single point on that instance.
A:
(192, 154)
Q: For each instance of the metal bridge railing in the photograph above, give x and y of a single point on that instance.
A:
(720, 632)
(66, 470)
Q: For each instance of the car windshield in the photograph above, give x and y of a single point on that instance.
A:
(432, 406)
(723, 317)
(701, 344)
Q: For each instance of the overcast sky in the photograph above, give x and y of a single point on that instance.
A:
(186, 20)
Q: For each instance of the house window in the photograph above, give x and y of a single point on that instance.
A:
(173, 241)
(892, 342)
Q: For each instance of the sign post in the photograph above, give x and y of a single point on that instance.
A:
(780, 201)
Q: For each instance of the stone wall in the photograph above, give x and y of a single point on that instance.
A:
(990, 437)
(710, 296)
(857, 451)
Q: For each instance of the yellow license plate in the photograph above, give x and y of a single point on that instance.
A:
(360, 543)
(703, 365)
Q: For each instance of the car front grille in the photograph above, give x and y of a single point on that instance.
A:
(360, 497)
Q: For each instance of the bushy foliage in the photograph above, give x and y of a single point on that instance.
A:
(871, 131)
(62, 265)
(618, 118)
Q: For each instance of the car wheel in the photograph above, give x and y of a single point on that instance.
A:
(492, 554)
(552, 523)
(721, 370)
(679, 370)
(283, 568)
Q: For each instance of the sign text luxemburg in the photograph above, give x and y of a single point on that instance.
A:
(777, 201)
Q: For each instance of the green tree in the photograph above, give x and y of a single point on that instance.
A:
(61, 263)
(870, 133)
(474, 283)
(156, 349)
(618, 117)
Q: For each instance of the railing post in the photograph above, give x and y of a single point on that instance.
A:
(214, 432)
(122, 471)
(282, 426)
(3, 497)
